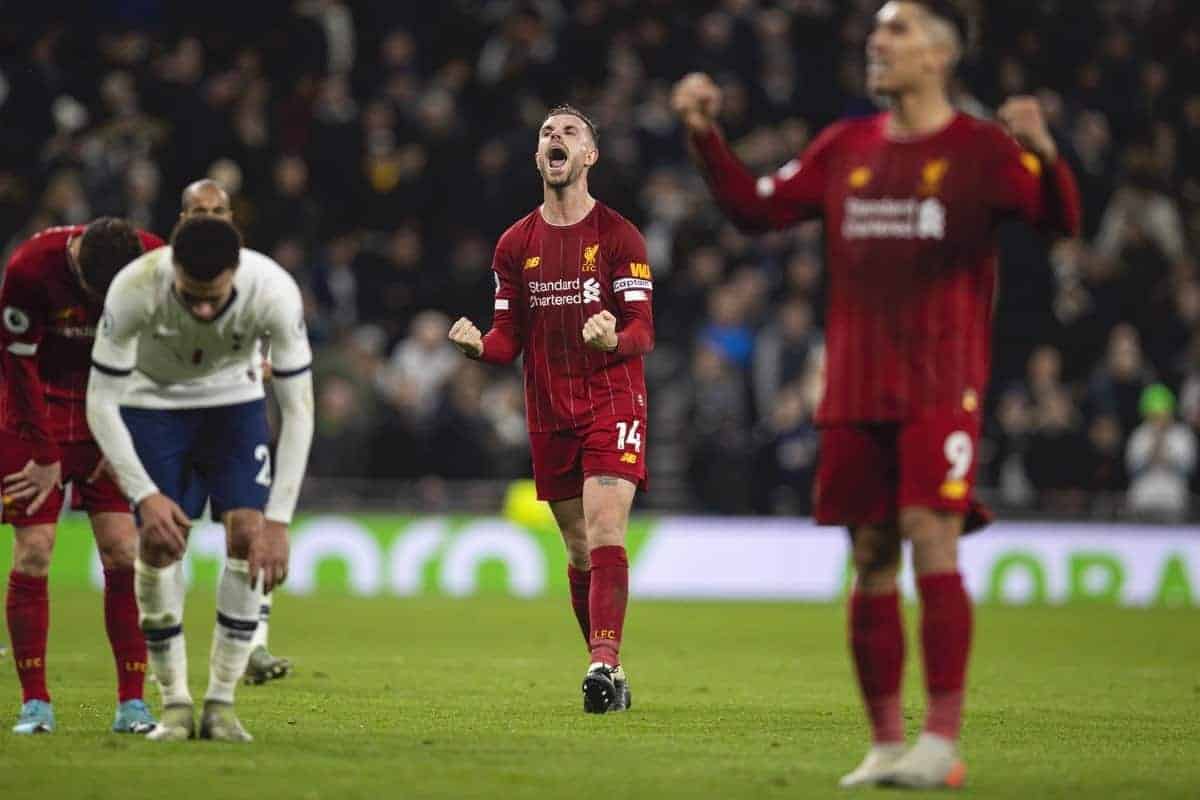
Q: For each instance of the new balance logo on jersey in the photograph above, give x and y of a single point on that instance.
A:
(16, 321)
(894, 218)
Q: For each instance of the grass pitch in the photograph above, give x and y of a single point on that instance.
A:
(479, 699)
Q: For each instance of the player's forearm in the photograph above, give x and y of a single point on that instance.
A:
(295, 396)
(1063, 205)
(732, 184)
(20, 370)
(500, 346)
(109, 431)
(635, 339)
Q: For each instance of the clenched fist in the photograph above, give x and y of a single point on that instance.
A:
(697, 101)
(600, 332)
(466, 337)
(1024, 120)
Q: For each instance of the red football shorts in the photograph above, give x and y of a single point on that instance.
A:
(868, 472)
(78, 461)
(562, 460)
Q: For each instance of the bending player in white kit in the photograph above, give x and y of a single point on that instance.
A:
(175, 401)
(201, 198)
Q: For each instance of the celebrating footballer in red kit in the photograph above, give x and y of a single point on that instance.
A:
(573, 294)
(49, 307)
(910, 200)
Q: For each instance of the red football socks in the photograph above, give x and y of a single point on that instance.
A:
(581, 587)
(946, 642)
(877, 641)
(606, 603)
(28, 611)
(124, 634)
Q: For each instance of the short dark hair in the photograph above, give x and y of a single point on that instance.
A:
(204, 247)
(108, 244)
(567, 108)
(951, 12)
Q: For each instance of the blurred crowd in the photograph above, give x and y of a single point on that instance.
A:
(376, 150)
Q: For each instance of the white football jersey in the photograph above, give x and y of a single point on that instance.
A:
(175, 360)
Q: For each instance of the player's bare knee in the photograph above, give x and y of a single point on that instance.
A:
(32, 556)
(578, 552)
(155, 556)
(32, 550)
(875, 551)
(118, 553)
(881, 579)
(606, 528)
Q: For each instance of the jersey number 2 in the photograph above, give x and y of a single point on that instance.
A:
(262, 453)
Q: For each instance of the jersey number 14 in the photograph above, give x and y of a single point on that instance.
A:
(628, 434)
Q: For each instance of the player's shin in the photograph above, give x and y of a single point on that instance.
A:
(160, 594)
(946, 643)
(877, 642)
(28, 612)
(606, 603)
(124, 635)
(238, 606)
(580, 581)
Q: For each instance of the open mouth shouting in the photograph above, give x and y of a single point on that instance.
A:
(556, 157)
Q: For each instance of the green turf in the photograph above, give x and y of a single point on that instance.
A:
(478, 698)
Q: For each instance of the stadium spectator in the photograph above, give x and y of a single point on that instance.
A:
(1116, 386)
(420, 365)
(1056, 456)
(782, 352)
(719, 432)
(1161, 457)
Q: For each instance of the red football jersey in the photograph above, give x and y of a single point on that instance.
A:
(549, 281)
(47, 325)
(910, 236)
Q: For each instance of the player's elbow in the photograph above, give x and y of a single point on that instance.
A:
(101, 401)
(295, 396)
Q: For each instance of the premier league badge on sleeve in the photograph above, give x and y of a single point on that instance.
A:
(16, 321)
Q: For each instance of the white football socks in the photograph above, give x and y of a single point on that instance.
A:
(264, 617)
(238, 607)
(160, 592)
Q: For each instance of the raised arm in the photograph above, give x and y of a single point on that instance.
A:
(794, 193)
(1030, 180)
